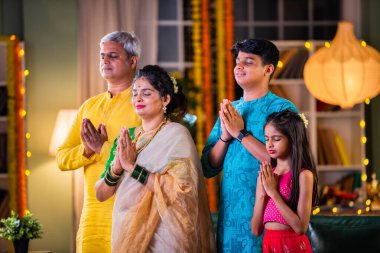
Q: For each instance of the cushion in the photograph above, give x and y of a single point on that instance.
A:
(344, 233)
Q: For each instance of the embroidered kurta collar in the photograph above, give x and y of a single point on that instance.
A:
(123, 94)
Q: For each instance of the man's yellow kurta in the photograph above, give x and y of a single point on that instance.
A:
(94, 234)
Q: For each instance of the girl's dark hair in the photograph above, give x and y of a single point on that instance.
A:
(162, 82)
(290, 124)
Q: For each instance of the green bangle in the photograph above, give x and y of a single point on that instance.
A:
(144, 178)
(109, 183)
(136, 172)
(111, 178)
(140, 174)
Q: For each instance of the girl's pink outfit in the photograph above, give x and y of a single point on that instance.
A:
(282, 240)
(271, 213)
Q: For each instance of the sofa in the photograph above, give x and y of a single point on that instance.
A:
(344, 234)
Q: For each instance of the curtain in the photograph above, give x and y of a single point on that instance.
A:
(99, 17)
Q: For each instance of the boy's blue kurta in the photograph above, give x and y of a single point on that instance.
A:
(240, 171)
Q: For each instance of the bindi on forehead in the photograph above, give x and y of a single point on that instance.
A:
(142, 83)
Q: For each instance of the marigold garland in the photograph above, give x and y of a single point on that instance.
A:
(220, 45)
(201, 39)
(15, 127)
(20, 132)
(229, 28)
(11, 133)
(197, 68)
(212, 183)
(207, 67)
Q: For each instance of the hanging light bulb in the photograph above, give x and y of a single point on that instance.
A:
(345, 73)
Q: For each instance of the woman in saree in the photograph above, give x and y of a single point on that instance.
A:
(155, 173)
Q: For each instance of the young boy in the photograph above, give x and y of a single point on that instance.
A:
(236, 143)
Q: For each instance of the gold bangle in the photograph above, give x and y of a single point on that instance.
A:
(111, 178)
(109, 183)
(133, 168)
(139, 175)
(113, 173)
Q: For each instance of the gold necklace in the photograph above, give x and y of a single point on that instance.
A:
(154, 132)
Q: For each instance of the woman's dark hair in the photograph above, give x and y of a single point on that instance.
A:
(165, 85)
(290, 124)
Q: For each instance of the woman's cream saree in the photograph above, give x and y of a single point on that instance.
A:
(173, 218)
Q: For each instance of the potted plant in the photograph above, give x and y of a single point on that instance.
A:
(20, 230)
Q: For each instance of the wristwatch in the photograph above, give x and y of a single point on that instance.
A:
(243, 133)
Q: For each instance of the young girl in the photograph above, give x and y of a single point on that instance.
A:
(286, 188)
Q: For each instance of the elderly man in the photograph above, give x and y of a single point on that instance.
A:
(90, 139)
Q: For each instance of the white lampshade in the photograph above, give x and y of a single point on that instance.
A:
(346, 73)
(62, 126)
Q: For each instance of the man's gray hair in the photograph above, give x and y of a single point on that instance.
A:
(131, 43)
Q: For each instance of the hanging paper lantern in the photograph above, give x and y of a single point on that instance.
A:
(345, 73)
